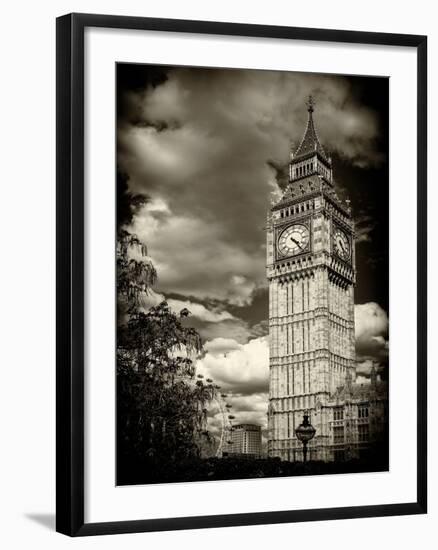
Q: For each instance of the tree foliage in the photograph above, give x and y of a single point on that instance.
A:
(134, 276)
(161, 403)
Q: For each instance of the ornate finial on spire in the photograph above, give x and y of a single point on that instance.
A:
(310, 104)
(310, 142)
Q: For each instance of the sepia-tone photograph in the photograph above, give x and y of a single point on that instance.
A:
(252, 256)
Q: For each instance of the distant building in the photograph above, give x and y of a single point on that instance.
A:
(244, 440)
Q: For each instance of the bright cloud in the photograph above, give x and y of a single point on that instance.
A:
(244, 370)
(222, 346)
(371, 323)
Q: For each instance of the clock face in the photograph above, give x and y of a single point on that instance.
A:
(293, 240)
(341, 245)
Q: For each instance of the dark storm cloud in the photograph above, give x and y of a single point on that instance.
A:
(209, 147)
(364, 225)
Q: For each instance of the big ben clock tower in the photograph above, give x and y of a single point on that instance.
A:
(311, 274)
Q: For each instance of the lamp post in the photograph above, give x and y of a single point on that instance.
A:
(305, 432)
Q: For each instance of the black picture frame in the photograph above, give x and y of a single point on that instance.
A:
(70, 273)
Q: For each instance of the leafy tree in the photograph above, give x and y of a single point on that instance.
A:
(134, 276)
(161, 404)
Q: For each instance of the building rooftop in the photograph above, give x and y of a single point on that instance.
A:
(254, 427)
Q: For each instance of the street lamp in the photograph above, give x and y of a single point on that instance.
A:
(305, 433)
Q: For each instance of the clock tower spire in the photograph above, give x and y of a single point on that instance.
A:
(310, 156)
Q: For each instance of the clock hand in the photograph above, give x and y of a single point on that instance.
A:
(296, 242)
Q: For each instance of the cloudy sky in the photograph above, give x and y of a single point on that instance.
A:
(208, 148)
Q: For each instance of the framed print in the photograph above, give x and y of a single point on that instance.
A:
(241, 274)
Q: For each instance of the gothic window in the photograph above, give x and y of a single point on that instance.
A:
(338, 434)
(338, 413)
(363, 410)
(363, 432)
